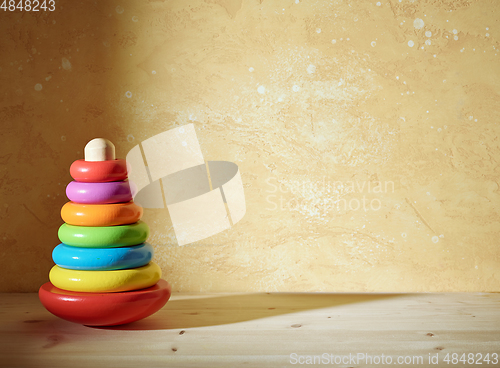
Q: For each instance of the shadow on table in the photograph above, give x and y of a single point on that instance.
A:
(199, 311)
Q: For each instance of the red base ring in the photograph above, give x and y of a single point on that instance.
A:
(104, 309)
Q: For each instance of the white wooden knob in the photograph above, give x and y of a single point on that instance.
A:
(99, 149)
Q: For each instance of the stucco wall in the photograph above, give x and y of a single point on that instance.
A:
(366, 134)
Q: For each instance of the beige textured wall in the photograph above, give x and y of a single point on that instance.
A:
(324, 106)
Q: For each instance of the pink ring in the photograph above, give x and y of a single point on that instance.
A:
(99, 193)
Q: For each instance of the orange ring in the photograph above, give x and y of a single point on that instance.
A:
(98, 171)
(101, 214)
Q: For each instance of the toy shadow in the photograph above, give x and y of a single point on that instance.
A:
(202, 311)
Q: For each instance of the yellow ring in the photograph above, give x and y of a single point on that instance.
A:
(105, 281)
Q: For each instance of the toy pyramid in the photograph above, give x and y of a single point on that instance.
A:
(103, 275)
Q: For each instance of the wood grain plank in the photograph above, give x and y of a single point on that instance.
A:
(256, 330)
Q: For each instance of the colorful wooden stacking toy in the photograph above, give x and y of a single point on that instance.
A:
(103, 275)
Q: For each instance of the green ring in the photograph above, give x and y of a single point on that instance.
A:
(104, 236)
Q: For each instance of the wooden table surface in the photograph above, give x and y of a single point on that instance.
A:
(263, 330)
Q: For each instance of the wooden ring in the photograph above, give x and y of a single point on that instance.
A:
(104, 236)
(105, 281)
(98, 171)
(101, 214)
(99, 309)
(99, 193)
(102, 259)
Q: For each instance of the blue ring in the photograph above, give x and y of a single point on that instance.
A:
(102, 259)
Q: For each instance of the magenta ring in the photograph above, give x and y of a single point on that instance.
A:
(99, 193)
